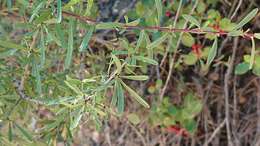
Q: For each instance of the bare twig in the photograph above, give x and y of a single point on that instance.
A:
(257, 137)
(215, 132)
(226, 90)
(174, 56)
(237, 8)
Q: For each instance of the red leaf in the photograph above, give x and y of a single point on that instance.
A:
(178, 130)
(196, 48)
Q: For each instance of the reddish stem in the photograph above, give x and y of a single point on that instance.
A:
(164, 29)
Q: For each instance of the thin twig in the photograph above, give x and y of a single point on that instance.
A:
(226, 90)
(174, 56)
(157, 28)
(236, 10)
(215, 132)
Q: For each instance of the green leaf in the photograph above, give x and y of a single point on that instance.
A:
(245, 20)
(119, 92)
(38, 78)
(36, 11)
(235, 33)
(133, 118)
(61, 35)
(7, 53)
(212, 52)
(10, 131)
(241, 68)
(68, 58)
(159, 8)
(187, 40)
(108, 25)
(76, 117)
(252, 57)
(59, 11)
(118, 64)
(86, 39)
(11, 45)
(157, 42)
(256, 71)
(191, 19)
(72, 86)
(190, 125)
(71, 3)
(89, 7)
(257, 35)
(42, 49)
(137, 78)
(24, 132)
(135, 95)
(190, 59)
(56, 101)
(140, 39)
(146, 60)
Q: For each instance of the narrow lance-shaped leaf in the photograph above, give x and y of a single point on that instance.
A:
(212, 52)
(10, 131)
(70, 45)
(252, 58)
(118, 64)
(7, 44)
(191, 19)
(61, 35)
(108, 25)
(59, 11)
(158, 4)
(257, 35)
(24, 132)
(140, 40)
(76, 118)
(137, 78)
(71, 3)
(135, 95)
(7, 53)
(36, 11)
(38, 79)
(245, 20)
(89, 7)
(146, 60)
(157, 42)
(120, 96)
(42, 50)
(86, 39)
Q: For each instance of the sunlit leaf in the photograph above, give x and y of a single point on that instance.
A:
(252, 58)
(257, 35)
(191, 19)
(134, 118)
(137, 78)
(36, 11)
(246, 19)
(118, 64)
(212, 52)
(59, 11)
(187, 40)
(135, 95)
(146, 60)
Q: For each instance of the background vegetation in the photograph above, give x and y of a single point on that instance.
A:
(141, 72)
